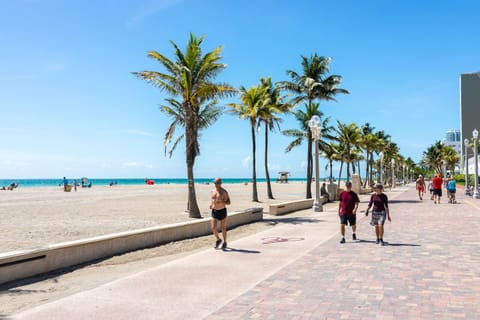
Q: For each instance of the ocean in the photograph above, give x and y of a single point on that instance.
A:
(26, 183)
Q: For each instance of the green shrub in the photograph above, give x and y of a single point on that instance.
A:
(460, 178)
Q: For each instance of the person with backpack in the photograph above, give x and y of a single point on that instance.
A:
(452, 190)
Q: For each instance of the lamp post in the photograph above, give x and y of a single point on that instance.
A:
(316, 130)
(393, 173)
(381, 167)
(467, 188)
(475, 155)
(404, 169)
(444, 169)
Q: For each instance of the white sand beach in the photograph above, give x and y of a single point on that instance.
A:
(32, 217)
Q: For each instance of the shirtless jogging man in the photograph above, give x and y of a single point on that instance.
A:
(421, 187)
(219, 200)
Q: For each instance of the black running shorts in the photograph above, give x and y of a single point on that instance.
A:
(219, 214)
(348, 219)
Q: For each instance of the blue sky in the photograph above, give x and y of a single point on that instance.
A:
(70, 106)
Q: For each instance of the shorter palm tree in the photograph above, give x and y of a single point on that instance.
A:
(270, 116)
(253, 101)
(349, 136)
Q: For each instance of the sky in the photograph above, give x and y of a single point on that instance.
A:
(69, 105)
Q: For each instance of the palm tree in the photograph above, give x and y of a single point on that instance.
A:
(383, 139)
(433, 156)
(312, 84)
(331, 153)
(349, 137)
(190, 77)
(207, 116)
(269, 115)
(451, 157)
(370, 143)
(253, 101)
(304, 133)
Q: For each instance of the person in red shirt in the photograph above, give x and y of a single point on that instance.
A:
(347, 210)
(437, 188)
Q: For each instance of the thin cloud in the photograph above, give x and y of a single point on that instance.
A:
(54, 67)
(246, 161)
(135, 164)
(132, 132)
(138, 133)
(146, 11)
(17, 77)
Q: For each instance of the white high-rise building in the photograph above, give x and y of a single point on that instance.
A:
(452, 139)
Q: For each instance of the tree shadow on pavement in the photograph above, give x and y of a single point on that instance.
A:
(228, 249)
(405, 201)
(389, 243)
(402, 244)
(293, 220)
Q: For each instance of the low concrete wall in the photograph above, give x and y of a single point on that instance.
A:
(22, 264)
(290, 206)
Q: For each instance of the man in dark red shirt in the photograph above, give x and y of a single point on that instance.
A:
(437, 188)
(347, 210)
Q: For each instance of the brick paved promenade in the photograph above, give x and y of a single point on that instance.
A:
(429, 269)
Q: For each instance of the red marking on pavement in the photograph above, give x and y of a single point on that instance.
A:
(279, 239)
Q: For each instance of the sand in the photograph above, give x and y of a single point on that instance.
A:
(32, 217)
(66, 216)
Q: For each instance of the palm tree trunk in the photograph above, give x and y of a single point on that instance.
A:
(309, 166)
(359, 172)
(348, 169)
(366, 170)
(190, 137)
(267, 175)
(254, 164)
(340, 173)
(331, 171)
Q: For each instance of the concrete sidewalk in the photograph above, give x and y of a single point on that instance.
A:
(195, 286)
(298, 270)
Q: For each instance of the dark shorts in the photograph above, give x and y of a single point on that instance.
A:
(437, 192)
(219, 214)
(348, 219)
(452, 191)
(378, 218)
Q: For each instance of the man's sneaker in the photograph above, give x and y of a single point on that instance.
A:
(217, 243)
(354, 236)
(343, 240)
(224, 245)
(378, 241)
(381, 242)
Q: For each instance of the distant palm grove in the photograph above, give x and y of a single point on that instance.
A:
(189, 79)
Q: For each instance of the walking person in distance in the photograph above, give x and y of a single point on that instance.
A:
(437, 188)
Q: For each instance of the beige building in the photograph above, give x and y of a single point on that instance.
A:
(469, 106)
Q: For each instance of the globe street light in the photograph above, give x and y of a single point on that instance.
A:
(381, 167)
(316, 130)
(467, 188)
(393, 173)
(475, 155)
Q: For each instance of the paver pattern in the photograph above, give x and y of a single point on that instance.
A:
(429, 269)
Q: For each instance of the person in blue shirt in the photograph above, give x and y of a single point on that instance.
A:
(452, 189)
(65, 184)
